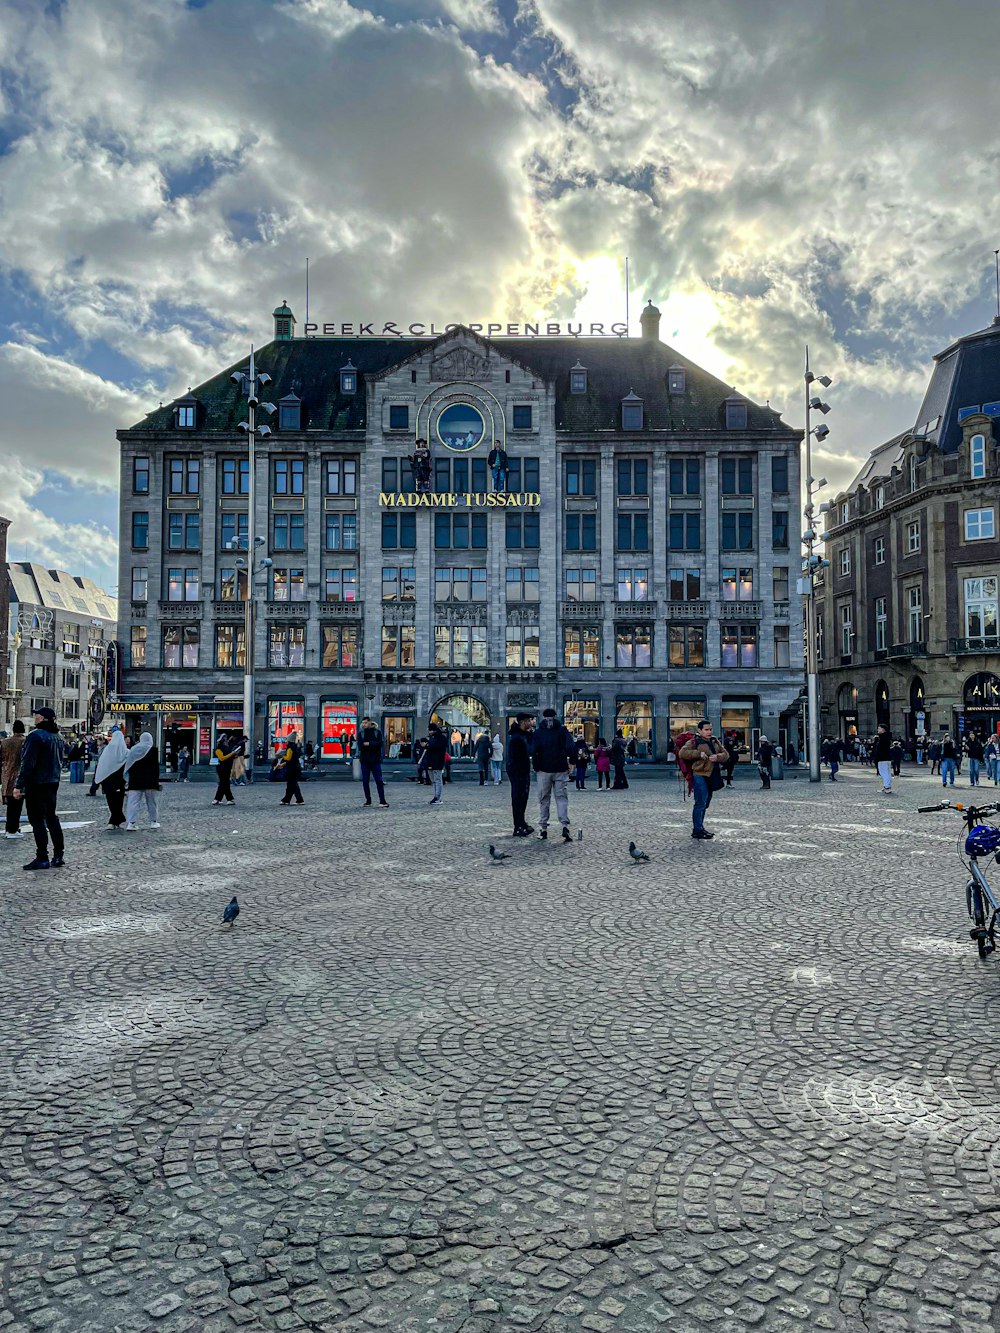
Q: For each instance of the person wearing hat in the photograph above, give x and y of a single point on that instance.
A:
(553, 755)
(38, 782)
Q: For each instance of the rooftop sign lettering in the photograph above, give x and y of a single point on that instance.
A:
(390, 329)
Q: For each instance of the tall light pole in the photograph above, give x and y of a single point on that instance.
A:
(812, 563)
(252, 383)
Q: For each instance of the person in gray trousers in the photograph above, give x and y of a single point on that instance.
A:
(553, 756)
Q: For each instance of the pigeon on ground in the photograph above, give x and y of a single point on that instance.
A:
(635, 854)
(231, 913)
(497, 856)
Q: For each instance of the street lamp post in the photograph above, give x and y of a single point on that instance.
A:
(812, 563)
(252, 382)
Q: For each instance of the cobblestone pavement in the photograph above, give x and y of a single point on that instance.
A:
(750, 1085)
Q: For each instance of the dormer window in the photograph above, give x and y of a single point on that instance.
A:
(290, 413)
(913, 472)
(348, 378)
(632, 412)
(186, 413)
(676, 380)
(879, 497)
(578, 379)
(845, 511)
(736, 414)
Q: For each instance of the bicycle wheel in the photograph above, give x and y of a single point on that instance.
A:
(980, 934)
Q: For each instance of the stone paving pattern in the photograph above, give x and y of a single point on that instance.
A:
(749, 1086)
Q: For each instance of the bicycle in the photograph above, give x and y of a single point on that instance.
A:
(981, 840)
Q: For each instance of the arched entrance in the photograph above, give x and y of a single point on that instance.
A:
(847, 710)
(462, 717)
(916, 718)
(881, 704)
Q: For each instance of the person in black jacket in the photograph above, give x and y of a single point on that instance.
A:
(370, 751)
(498, 461)
(142, 772)
(435, 755)
(553, 755)
(975, 750)
(291, 762)
(882, 756)
(482, 753)
(519, 771)
(38, 782)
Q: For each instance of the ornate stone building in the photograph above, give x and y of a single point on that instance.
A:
(634, 575)
(908, 608)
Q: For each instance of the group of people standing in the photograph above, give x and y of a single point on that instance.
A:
(947, 754)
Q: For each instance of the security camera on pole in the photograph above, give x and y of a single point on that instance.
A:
(810, 565)
(251, 383)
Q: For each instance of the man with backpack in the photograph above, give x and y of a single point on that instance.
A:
(703, 755)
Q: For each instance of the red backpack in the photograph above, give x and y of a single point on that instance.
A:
(683, 767)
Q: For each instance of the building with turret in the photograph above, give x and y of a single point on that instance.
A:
(630, 568)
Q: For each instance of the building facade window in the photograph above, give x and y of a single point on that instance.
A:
(633, 584)
(881, 625)
(180, 646)
(235, 476)
(399, 645)
(340, 647)
(290, 413)
(457, 475)
(140, 476)
(779, 474)
(140, 583)
(399, 583)
(184, 416)
(523, 474)
(581, 585)
(686, 645)
(779, 583)
(522, 532)
(685, 585)
(915, 614)
(399, 416)
(737, 530)
(340, 584)
(684, 476)
(684, 532)
(460, 584)
(232, 584)
(523, 583)
(184, 532)
(580, 476)
(581, 532)
(184, 475)
(632, 412)
(633, 476)
(736, 584)
(913, 472)
(286, 645)
(348, 379)
(633, 645)
(521, 416)
(462, 532)
(736, 475)
(845, 511)
(182, 584)
(782, 647)
(289, 531)
(977, 457)
(230, 647)
(288, 476)
(288, 585)
(399, 532)
(913, 537)
(234, 529)
(397, 476)
(845, 561)
(341, 476)
(140, 530)
(736, 416)
(578, 379)
(846, 631)
(982, 609)
(739, 645)
(980, 525)
(879, 497)
(779, 530)
(582, 646)
(879, 550)
(632, 532)
(459, 645)
(522, 646)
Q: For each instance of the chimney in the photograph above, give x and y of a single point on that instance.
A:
(651, 322)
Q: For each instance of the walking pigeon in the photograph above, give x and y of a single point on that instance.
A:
(635, 854)
(231, 913)
(497, 856)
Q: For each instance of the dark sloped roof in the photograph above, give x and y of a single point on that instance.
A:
(310, 368)
(880, 462)
(966, 374)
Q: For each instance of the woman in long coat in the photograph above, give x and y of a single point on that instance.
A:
(110, 777)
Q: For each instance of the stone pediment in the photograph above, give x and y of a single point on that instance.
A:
(460, 363)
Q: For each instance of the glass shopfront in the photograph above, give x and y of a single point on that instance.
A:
(462, 717)
(685, 714)
(338, 727)
(634, 719)
(179, 730)
(285, 718)
(397, 733)
(583, 715)
(740, 718)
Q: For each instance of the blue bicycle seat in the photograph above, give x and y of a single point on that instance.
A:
(983, 840)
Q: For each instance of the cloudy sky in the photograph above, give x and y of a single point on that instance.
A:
(778, 171)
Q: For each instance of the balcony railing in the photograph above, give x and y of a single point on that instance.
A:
(732, 609)
(581, 610)
(635, 610)
(687, 610)
(345, 610)
(981, 645)
(916, 648)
